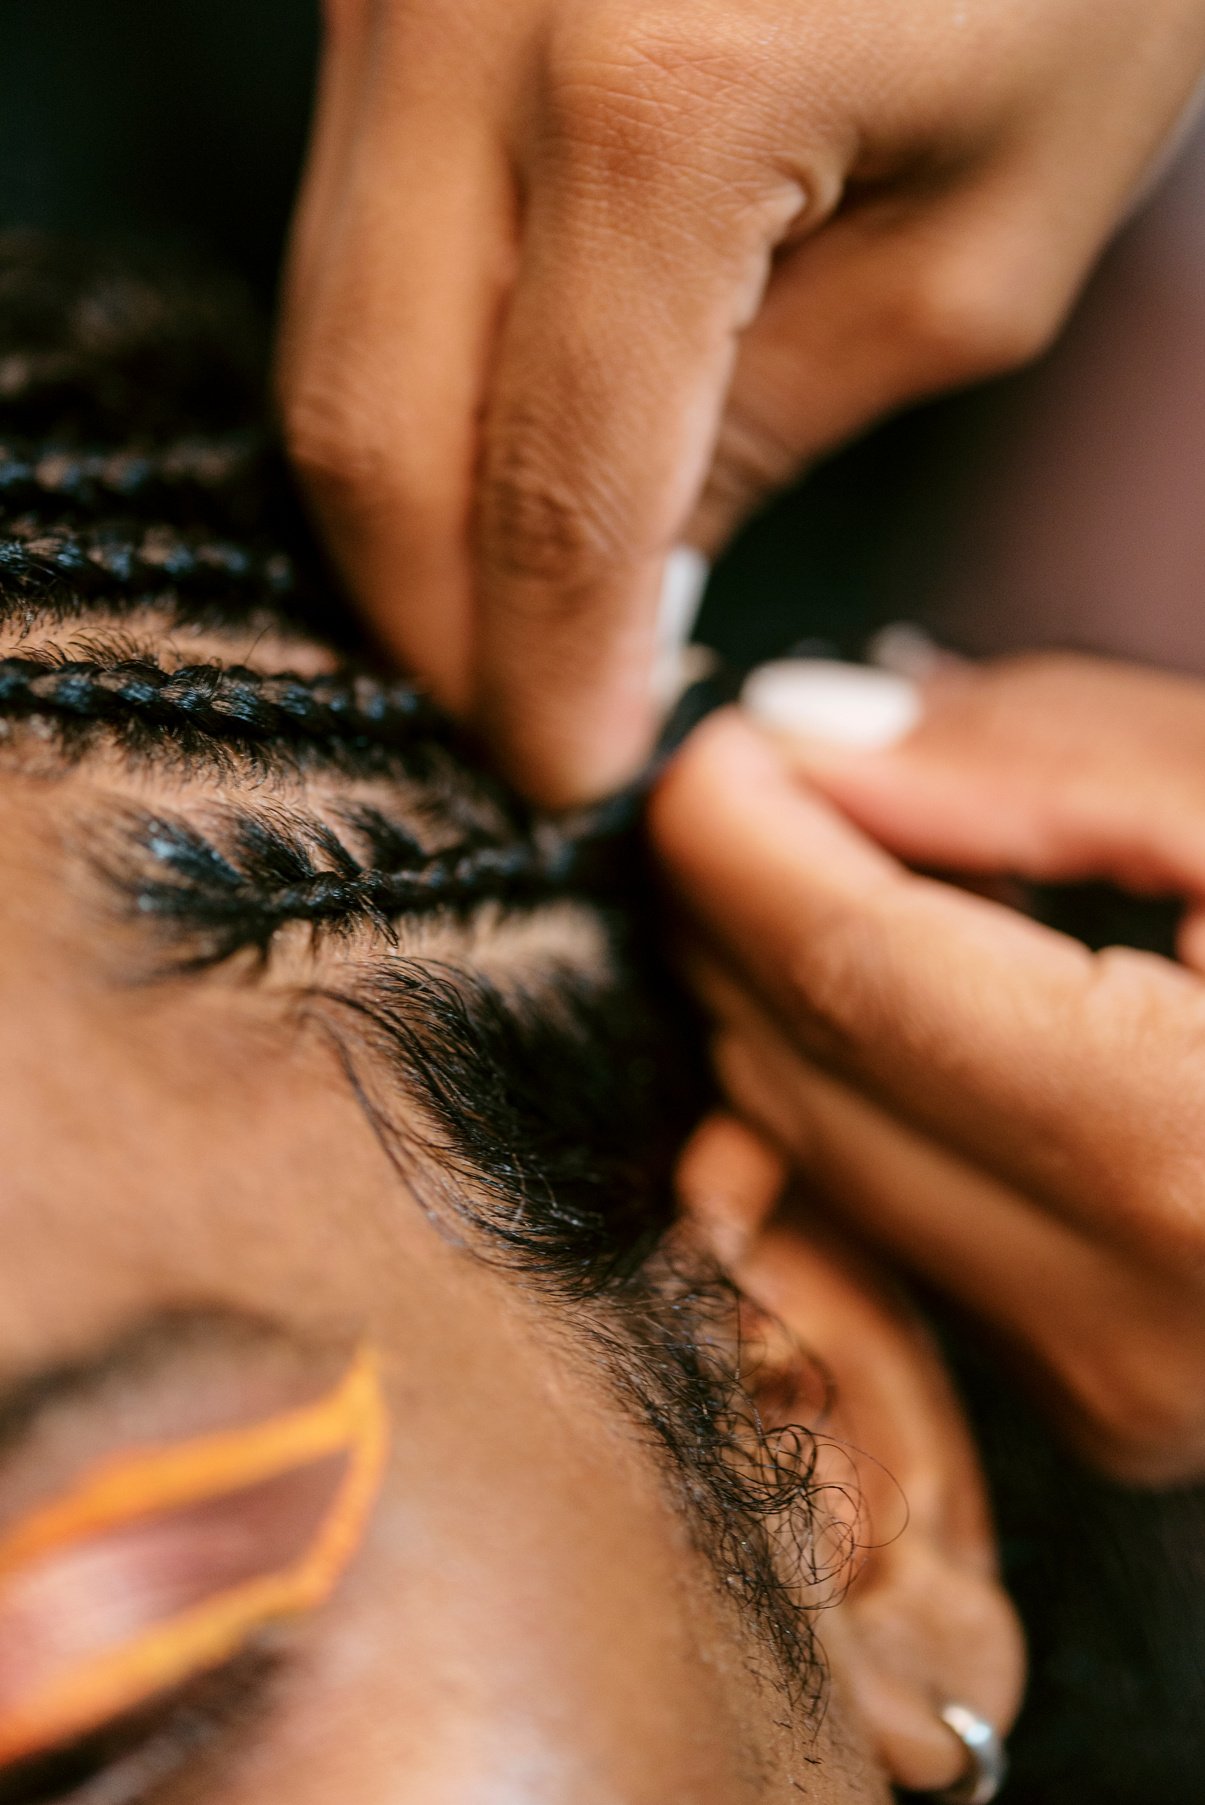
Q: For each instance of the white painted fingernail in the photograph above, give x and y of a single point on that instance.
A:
(842, 704)
(682, 586)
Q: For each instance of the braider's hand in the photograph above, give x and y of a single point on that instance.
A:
(1017, 1119)
(576, 281)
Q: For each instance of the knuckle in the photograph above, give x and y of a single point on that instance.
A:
(973, 317)
(603, 124)
(664, 50)
(835, 986)
(535, 521)
(676, 145)
(1148, 1176)
(1137, 1407)
(332, 441)
(353, 458)
(635, 84)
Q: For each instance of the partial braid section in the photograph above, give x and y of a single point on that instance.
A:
(227, 702)
(36, 559)
(195, 473)
(136, 463)
(456, 880)
(222, 900)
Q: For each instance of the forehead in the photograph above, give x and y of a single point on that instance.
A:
(153, 1130)
(188, 1119)
(192, 1142)
(180, 1138)
(170, 1136)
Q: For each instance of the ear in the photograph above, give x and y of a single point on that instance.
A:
(924, 1621)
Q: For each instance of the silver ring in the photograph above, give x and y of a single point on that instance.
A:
(986, 1763)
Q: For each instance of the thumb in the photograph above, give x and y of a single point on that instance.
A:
(1051, 767)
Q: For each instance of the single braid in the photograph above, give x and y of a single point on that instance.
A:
(230, 702)
(35, 559)
(272, 873)
(457, 880)
(196, 473)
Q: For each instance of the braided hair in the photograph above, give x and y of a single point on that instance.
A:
(230, 702)
(110, 509)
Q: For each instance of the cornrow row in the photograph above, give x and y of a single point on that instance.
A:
(36, 558)
(225, 900)
(230, 702)
(458, 880)
(186, 472)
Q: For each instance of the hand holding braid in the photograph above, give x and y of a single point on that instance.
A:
(112, 525)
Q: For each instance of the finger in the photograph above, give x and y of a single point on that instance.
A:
(1071, 1075)
(1190, 940)
(728, 1181)
(341, 79)
(889, 303)
(959, 261)
(968, 1232)
(1132, 1402)
(1050, 767)
(644, 256)
(388, 337)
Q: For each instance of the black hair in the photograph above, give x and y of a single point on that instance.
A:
(553, 1096)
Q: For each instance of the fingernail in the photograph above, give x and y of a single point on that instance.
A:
(908, 651)
(846, 705)
(682, 586)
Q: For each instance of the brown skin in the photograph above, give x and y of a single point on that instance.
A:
(517, 1511)
(1004, 1112)
(574, 281)
(925, 1617)
(527, 1621)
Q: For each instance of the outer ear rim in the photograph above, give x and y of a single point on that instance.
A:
(925, 1622)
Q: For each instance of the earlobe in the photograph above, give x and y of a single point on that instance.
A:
(923, 1621)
